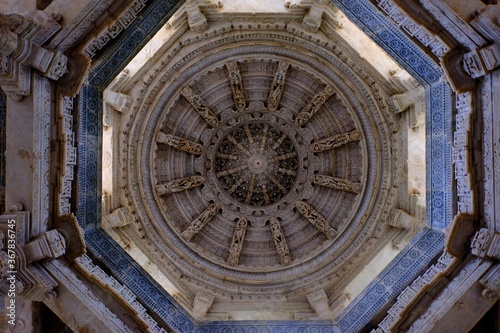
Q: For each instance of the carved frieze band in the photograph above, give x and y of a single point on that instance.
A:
(277, 87)
(68, 155)
(413, 292)
(237, 242)
(236, 85)
(206, 216)
(314, 105)
(180, 143)
(199, 106)
(337, 183)
(280, 241)
(179, 185)
(335, 141)
(95, 273)
(462, 154)
(308, 212)
(126, 17)
(41, 154)
(437, 46)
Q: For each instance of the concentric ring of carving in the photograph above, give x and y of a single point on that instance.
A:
(256, 164)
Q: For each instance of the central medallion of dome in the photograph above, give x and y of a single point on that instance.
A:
(256, 164)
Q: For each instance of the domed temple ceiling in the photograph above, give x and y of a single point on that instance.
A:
(260, 162)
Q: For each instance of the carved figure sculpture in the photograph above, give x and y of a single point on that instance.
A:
(237, 242)
(315, 219)
(180, 143)
(199, 106)
(337, 183)
(313, 106)
(335, 141)
(181, 184)
(280, 241)
(206, 216)
(277, 86)
(236, 85)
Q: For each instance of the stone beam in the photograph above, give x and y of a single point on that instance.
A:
(200, 107)
(277, 86)
(179, 143)
(314, 105)
(179, 185)
(206, 216)
(335, 141)
(337, 183)
(280, 241)
(236, 245)
(236, 85)
(308, 212)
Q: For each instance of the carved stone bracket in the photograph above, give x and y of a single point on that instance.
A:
(280, 241)
(236, 246)
(316, 219)
(277, 87)
(319, 302)
(180, 143)
(192, 10)
(206, 216)
(199, 106)
(479, 62)
(335, 141)
(460, 234)
(317, 9)
(409, 224)
(22, 39)
(236, 85)
(486, 244)
(118, 218)
(179, 185)
(202, 303)
(414, 98)
(314, 105)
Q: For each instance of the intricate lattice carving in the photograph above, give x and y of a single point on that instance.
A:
(315, 219)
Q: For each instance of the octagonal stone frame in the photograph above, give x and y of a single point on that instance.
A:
(391, 281)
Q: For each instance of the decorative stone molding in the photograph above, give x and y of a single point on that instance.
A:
(308, 212)
(491, 283)
(487, 22)
(317, 9)
(95, 273)
(336, 183)
(201, 304)
(414, 292)
(462, 153)
(22, 39)
(68, 155)
(236, 85)
(478, 62)
(206, 216)
(273, 100)
(413, 29)
(125, 18)
(49, 245)
(199, 106)
(486, 244)
(319, 302)
(280, 241)
(314, 105)
(335, 141)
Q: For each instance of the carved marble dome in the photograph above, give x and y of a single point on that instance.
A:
(258, 162)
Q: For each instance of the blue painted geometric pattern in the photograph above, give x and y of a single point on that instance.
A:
(408, 264)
